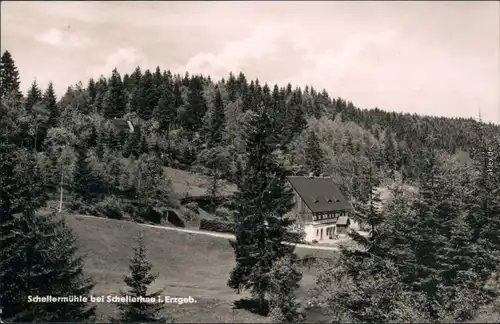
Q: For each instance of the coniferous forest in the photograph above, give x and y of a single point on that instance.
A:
(433, 255)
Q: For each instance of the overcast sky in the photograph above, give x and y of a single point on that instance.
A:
(434, 58)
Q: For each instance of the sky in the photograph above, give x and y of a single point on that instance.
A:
(426, 57)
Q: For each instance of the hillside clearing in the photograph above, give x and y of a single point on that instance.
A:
(191, 184)
(187, 264)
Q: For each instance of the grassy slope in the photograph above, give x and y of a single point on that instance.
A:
(186, 183)
(187, 264)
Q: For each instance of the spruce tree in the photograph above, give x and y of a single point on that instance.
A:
(261, 205)
(86, 187)
(147, 96)
(91, 91)
(33, 97)
(113, 105)
(216, 121)
(368, 212)
(9, 77)
(37, 253)
(40, 260)
(138, 284)
(314, 157)
(390, 154)
(296, 121)
(165, 112)
(195, 108)
(135, 93)
(285, 278)
(50, 103)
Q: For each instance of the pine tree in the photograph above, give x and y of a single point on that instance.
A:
(101, 88)
(37, 253)
(158, 83)
(285, 278)
(40, 260)
(138, 283)
(86, 187)
(135, 93)
(147, 96)
(296, 119)
(92, 91)
(216, 121)
(9, 77)
(33, 97)
(165, 112)
(314, 158)
(195, 108)
(113, 105)
(390, 154)
(260, 207)
(50, 103)
(369, 213)
(231, 87)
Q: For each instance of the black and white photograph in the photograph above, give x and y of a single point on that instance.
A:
(250, 162)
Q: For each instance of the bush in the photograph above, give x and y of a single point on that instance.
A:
(293, 237)
(173, 218)
(216, 226)
(148, 214)
(224, 214)
(129, 208)
(188, 214)
(109, 207)
(192, 206)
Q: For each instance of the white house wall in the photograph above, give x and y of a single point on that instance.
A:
(318, 232)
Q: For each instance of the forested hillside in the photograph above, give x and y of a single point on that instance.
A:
(192, 122)
(103, 148)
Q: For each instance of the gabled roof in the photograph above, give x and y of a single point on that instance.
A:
(122, 124)
(320, 194)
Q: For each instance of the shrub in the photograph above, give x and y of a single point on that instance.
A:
(149, 214)
(109, 207)
(188, 214)
(192, 206)
(293, 237)
(173, 218)
(224, 214)
(129, 208)
(216, 226)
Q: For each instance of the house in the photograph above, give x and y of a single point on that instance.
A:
(320, 208)
(122, 125)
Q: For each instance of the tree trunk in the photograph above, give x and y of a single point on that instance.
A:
(61, 198)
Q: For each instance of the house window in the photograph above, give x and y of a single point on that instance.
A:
(317, 232)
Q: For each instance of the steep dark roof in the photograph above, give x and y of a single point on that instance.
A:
(121, 124)
(320, 194)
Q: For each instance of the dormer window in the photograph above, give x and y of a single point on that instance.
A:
(316, 200)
